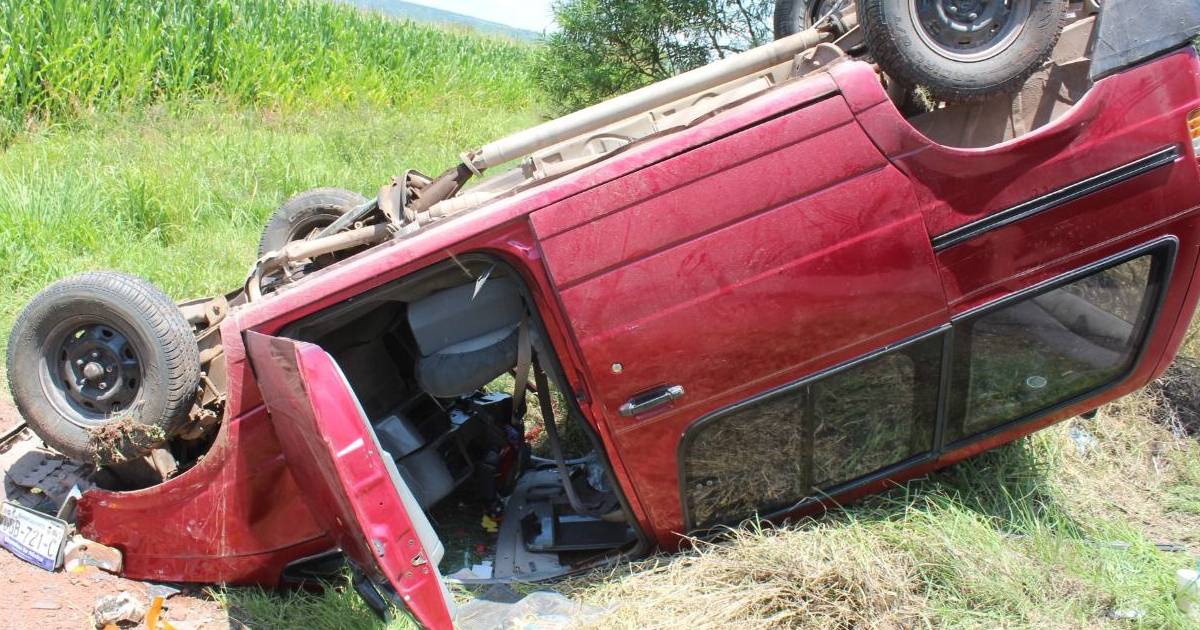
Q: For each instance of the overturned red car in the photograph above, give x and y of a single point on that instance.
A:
(764, 289)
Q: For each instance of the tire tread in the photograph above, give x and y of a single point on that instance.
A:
(914, 69)
(168, 328)
(326, 198)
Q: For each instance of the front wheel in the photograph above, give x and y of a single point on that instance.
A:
(103, 367)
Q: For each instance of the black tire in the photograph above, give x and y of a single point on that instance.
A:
(305, 212)
(912, 42)
(793, 16)
(103, 366)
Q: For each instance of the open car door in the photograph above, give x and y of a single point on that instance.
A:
(353, 487)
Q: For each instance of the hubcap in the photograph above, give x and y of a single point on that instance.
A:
(969, 30)
(98, 371)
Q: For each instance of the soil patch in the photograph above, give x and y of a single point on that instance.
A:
(33, 598)
(1178, 391)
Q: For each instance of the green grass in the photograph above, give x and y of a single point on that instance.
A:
(156, 136)
(59, 58)
(180, 198)
(338, 606)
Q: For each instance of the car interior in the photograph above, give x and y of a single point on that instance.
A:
(452, 368)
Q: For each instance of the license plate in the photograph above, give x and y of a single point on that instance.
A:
(32, 536)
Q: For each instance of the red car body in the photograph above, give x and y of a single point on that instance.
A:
(797, 232)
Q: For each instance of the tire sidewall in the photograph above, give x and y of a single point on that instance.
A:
(286, 227)
(917, 63)
(29, 372)
(320, 206)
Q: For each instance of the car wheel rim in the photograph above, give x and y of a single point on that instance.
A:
(820, 9)
(93, 371)
(969, 30)
(310, 227)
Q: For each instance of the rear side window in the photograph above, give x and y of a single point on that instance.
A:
(767, 455)
(1042, 350)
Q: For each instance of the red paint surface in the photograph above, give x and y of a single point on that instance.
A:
(1122, 118)
(782, 236)
(338, 463)
(731, 289)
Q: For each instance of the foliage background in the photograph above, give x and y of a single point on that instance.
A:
(608, 47)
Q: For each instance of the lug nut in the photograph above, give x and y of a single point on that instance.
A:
(103, 385)
(952, 9)
(108, 369)
(972, 16)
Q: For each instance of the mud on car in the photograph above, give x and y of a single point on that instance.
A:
(903, 233)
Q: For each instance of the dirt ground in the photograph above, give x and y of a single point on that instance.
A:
(8, 413)
(33, 598)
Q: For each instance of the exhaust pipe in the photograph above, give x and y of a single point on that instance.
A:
(621, 107)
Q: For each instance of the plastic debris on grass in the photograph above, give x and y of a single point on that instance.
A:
(539, 610)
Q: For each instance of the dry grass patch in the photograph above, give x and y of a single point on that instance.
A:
(822, 576)
(1142, 471)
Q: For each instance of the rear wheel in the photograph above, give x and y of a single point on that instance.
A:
(962, 50)
(103, 367)
(305, 214)
(793, 16)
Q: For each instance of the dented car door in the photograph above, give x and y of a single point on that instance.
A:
(356, 493)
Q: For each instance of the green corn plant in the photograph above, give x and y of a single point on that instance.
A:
(62, 58)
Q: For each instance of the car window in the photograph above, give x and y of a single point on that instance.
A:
(1032, 354)
(870, 417)
(767, 455)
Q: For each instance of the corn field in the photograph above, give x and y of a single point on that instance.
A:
(60, 58)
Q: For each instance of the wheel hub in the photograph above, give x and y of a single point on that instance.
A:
(100, 370)
(969, 30)
(93, 371)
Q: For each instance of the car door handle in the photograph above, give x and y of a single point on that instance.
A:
(649, 400)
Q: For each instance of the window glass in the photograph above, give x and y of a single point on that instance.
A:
(751, 460)
(1033, 354)
(869, 417)
(771, 454)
